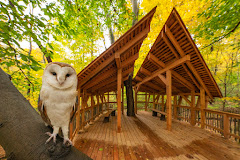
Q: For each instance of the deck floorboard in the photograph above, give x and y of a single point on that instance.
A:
(146, 137)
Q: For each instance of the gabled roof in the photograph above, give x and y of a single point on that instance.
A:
(174, 43)
(101, 74)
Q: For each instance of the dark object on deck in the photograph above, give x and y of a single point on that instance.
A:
(163, 118)
(108, 114)
(129, 94)
(113, 113)
(163, 114)
(23, 132)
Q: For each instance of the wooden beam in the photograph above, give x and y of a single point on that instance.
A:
(199, 79)
(99, 78)
(118, 60)
(155, 60)
(193, 111)
(110, 80)
(169, 100)
(169, 44)
(130, 60)
(119, 84)
(163, 79)
(189, 64)
(154, 86)
(185, 98)
(182, 80)
(168, 67)
(163, 103)
(145, 71)
(148, 89)
(138, 78)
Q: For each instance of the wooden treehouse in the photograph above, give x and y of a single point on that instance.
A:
(177, 86)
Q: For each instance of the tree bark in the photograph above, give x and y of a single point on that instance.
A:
(135, 10)
(129, 94)
(128, 83)
(22, 130)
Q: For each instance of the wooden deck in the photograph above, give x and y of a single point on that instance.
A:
(146, 137)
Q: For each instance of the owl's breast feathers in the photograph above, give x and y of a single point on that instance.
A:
(68, 97)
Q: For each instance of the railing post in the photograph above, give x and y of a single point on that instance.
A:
(135, 104)
(154, 106)
(175, 107)
(203, 105)
(78, 111)
(92, 109)
(226, 126)
(145, 101)
(193, 112)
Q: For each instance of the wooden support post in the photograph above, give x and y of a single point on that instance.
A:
(226, 126)
(97, 96)
(123, 99)
(154, 105)
(145, 101)
(135, 103)
(163, 103)
(175, 107)
(203, 105)
(119, 84)
(193, 111)
(78, 111)
(83, 110)
(169, 100)
(92, 108)
(108, 100)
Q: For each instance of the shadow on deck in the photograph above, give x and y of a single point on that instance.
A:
(146, 137)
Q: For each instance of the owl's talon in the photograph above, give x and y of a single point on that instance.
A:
(52, 136)
(67, 140)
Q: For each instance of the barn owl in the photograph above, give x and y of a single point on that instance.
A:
(57, 98)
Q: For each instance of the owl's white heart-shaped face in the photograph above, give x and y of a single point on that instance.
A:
(60, 76)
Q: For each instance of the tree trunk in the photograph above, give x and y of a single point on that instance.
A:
(22, 130)
(135, 10)
(129, 94)
(128, 83)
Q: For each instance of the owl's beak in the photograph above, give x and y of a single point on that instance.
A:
(61, 80)
(61, 83)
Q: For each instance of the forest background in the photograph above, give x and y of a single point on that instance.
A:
(77, 31)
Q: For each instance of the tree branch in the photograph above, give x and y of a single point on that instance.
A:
(221, 37)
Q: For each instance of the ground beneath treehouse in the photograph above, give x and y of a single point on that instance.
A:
(146, 137)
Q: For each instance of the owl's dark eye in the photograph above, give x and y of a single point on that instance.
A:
(67, 75)
(54, 73)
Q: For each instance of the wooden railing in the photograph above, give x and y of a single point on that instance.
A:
(224, 123)
(90, 113)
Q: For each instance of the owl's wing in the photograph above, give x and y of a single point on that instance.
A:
(74, 110)
(43, 112)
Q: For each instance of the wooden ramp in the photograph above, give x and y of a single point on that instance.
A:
(146, 137)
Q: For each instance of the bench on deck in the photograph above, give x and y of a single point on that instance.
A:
(163, 114)
(110, 112)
